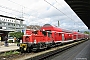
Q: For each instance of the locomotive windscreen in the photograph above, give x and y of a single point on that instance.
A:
(44, 33)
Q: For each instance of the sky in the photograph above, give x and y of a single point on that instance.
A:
(40, 12)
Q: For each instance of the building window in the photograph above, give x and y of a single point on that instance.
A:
(8, 23)
(4, 19)
(14, 24)
(0, 23)
(4, 23)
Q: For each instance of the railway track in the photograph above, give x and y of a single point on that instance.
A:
(45, 54)
(42, 54)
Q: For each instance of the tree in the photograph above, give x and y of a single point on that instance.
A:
(86, 32)
(17, 34)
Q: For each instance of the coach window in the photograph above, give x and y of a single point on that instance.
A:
(59, 34)
(49, 34)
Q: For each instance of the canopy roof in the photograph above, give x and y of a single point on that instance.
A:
(82, 9)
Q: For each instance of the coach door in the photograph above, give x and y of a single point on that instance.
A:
(62, 37)
(76, 36)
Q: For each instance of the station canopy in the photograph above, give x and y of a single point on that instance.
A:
(82, 9)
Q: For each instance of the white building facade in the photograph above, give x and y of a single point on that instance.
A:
(11, 23)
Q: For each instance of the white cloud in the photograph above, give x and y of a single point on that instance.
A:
(39, 12)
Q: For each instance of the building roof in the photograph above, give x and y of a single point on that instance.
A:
(11, 17)
(7, 30)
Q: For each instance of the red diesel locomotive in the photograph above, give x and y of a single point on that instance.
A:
(48, 36)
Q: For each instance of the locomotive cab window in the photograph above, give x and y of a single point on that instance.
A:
(44, 33)
(35, 32)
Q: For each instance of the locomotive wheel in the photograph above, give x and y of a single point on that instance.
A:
(34, 50)
(28, 50)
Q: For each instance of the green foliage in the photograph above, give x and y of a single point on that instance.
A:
(10, 53)
(17, 34)
(10, 41)
(7, 53)
(15, 52)
(87, 32)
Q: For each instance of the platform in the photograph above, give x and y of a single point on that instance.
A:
(11, 46)
(79, 52)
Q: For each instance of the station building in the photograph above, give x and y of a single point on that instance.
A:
(10, 24)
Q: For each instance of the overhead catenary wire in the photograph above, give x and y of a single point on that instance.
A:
(12, 9)
(44, 0)
(16, 10)
(17, 4)
(57, 9)
(20, 5)
(23, 8)
(7, 12)
(12, 13)
(65, 10)
(41, 18)
(71, 15)
(60, 5)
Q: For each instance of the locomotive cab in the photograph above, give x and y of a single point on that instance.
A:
(37, 40)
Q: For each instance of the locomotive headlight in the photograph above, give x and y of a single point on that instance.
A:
(35, 41)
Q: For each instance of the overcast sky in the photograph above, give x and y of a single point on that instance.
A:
(39, 12)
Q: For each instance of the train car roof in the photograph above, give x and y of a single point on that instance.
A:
(49, 27)
(75, 32)
(53, 28)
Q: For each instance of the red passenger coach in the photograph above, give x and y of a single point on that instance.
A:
(59, 35)
(56, 33)
(86, 36)
(75, 35)
(68, 37)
